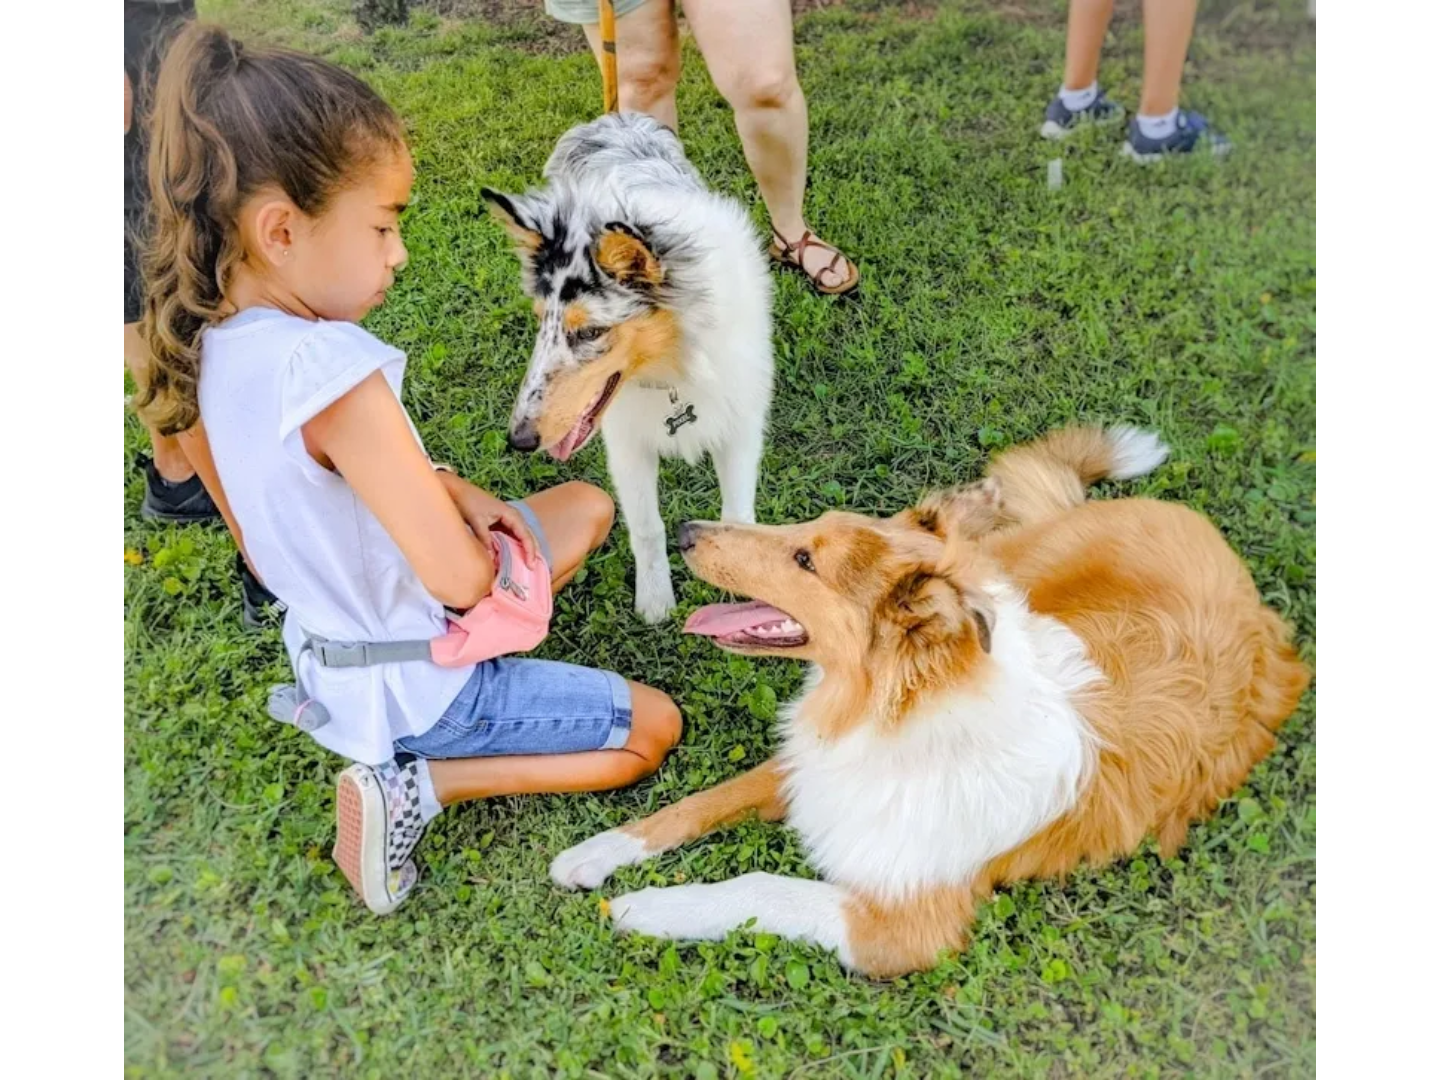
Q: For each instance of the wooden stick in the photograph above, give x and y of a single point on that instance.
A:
(608, 68)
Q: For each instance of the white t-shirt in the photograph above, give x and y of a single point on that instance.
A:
(316, 546)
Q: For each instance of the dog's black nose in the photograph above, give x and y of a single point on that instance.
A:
(524, 438)
(689, 533)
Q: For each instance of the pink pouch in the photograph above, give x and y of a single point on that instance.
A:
(514, 618)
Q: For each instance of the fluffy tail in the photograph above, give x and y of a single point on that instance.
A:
(1280, 676)
(1048, 476)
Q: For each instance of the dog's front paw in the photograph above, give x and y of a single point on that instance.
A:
(682, 912)
(654, 597)
(588, 864)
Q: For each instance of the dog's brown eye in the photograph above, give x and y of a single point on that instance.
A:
(802, 558)
(588, 334)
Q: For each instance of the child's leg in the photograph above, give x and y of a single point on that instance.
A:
(1080, 98)
(537, 721)
(654, 730)
(1168, 26)
(1089, 19)
(575, 517)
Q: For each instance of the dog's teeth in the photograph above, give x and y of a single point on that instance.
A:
(788, 628)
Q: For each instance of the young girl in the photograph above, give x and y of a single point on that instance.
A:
(278, 182)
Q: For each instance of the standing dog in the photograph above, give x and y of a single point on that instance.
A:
(654, 307)
(1009, 681)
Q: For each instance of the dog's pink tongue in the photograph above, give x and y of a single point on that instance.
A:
(720, 620)
(562, 450)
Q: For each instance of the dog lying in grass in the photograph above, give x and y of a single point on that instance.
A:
(1008, 681)
(654, 306)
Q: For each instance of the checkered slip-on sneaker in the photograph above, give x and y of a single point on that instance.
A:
(379, 823)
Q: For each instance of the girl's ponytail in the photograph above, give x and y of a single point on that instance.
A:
(226, 123)
(194, 192)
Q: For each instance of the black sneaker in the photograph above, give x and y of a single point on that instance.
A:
(262, 607)
(184, 502)
(1192, 133)
(1060, 121)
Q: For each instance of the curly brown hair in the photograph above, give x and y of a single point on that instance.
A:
(228, 122)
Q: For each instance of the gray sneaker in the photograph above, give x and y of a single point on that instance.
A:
(1060, 122)
(1192, 132)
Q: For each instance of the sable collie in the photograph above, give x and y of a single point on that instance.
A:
(654, 305)
(1008, 681)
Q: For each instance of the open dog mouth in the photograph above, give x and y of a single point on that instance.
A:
(754, 624)
(584, 428)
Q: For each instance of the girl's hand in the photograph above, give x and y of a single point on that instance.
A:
(483, 512)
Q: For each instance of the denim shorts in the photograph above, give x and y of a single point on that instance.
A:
(514, 705)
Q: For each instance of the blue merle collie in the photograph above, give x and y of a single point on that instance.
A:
(654, 304)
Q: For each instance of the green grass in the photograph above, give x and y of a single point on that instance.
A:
(1181, 298)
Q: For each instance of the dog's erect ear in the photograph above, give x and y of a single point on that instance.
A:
(931, 610)
(504, 209)
(968, 512)
(622, 253)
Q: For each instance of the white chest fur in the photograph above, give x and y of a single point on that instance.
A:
(973, 776)
(682, 421)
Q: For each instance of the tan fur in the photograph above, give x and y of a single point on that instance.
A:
(1048, 476)
(648, 343)
(626, 258)
(576, 316)
(527, 241)
(757, 791)
(889, 940)
(885, 626)
(1200, 674)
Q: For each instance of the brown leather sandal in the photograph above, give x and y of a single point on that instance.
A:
(791, 254)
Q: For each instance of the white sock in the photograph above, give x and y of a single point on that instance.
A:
(1075, 100)
(429, 805)
(1158, 127)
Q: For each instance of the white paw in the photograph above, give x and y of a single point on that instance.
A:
(1134, 452)
(654, 596)
(588, 864)
(682, 912)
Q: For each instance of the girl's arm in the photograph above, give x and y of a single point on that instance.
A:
(365, 437)
(483, 511)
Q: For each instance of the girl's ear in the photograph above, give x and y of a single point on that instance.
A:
(274, 224)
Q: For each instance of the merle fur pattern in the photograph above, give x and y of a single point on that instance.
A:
(628, 173)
